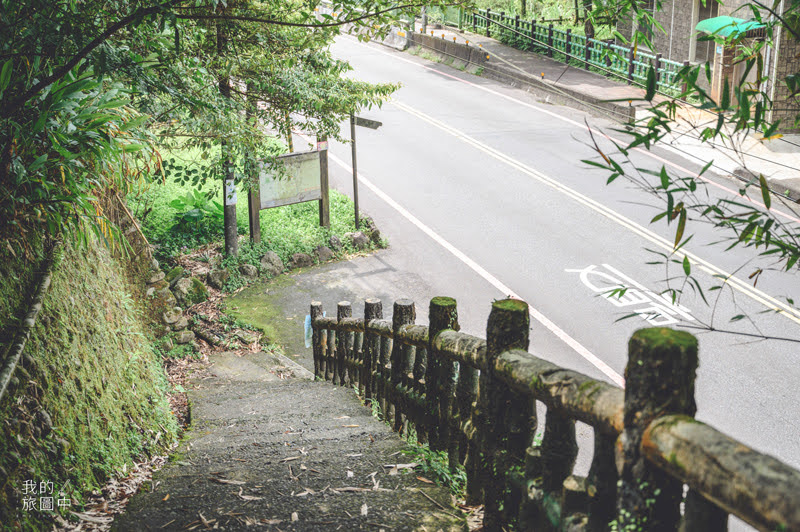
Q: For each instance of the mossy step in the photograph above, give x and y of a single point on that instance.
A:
(263, 452)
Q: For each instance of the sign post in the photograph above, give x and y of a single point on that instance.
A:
(364, 122)
(324, 200)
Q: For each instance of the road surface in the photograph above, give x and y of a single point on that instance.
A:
(483, 191)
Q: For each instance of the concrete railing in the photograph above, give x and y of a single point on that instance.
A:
(476, 400)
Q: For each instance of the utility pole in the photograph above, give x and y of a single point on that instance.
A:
(229, 211)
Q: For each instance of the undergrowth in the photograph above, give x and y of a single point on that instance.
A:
(434, 465)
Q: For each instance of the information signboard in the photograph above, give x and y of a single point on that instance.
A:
(299, 183)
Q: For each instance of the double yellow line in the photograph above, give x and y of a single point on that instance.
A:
(727, 278)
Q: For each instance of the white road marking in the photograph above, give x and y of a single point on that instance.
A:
(725, 277)
(491, 279)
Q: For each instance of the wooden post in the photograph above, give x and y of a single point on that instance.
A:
(659, 380)
(508, 328)
(488, 21)
(403, 313)
(317, 341)
(373, 310)
(343, 310)
(602, 482)
(325, 200)
(443, 316)
(700, 515)
(559, 450)
(550, 40)
(384, 384)
(330, 356)
(631, 66)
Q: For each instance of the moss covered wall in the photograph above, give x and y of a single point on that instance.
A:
(89, 396)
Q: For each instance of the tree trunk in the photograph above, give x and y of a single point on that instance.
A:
(229, 186)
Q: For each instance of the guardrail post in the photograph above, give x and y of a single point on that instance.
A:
(508, 328)
(602, 482)
(343, 310)
(550, 40)
(373, 310)
(631, 66)
(403, 313)
(659, 380)
(317, 341)
(488, 21)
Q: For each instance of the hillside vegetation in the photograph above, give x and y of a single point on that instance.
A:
(89, 398)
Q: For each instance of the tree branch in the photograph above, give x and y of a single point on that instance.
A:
(297, 24)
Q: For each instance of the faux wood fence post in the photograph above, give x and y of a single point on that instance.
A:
(373, 310)
(700, 515)
(602, 483)
(659, 380)
(559, 450)
(343, 310)
(330, 355)
(508, 328)
(383, 386)
(444, 315)
(516, 26)
(403, 313)
(317, 341)
(550, 40)
(657, 67)
(533, 34)
(685, 85)
(569, 44)
(631, 66)
(587, 53)
(474, 22)
(488, 21)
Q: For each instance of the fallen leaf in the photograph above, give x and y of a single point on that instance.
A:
(166, 498)
(350, 426)
(364, 509)
(350, 474)
(272, 521)
(226, 481)
(295, 517)
(290, 459)
(342, 417)
(248, 497)
(425, 480)
(412, 465)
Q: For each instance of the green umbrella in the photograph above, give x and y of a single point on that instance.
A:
(726, 26)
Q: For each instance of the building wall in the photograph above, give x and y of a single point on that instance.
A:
(788, 62)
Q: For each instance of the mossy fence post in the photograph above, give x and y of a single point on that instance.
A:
(373, 310)
(507, 328)
(318, 341)
(403, 313)
(343, 310)
(443, 315)
(659, 380)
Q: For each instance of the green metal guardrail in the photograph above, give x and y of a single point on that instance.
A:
(543, 37)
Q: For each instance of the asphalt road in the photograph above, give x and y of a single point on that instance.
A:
(481, 192)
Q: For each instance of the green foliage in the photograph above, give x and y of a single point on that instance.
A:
(435, 465)
(87, 88)
(193, 208)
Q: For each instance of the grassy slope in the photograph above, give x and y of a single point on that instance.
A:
(91, 368)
